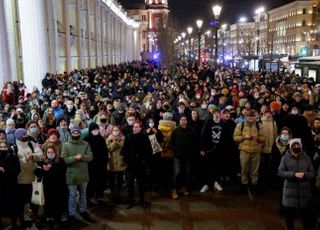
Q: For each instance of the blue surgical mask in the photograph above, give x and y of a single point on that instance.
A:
(284, 138)
(51, 158)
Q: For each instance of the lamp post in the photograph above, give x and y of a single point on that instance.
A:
(258, 12)
(183, 35)
(199, 25)
(190, 29)
(216, 12)
(224, 28)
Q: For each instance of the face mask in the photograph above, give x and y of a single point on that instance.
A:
(95, 132)
(216, 120)
(181, 111)
(24, 139)
(296, 150)
(151, 125)
(75, 138)
(115, 133)
(51, 157)
(294, 112)
(70, 107)
(3, 153)
(130, 123)
(103, 120)
(34, 131)
(204, 106)
(284, 138)
(213, 93)
(198, 96)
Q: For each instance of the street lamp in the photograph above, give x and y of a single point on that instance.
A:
(199, 23)
(190, 29)
(216, 12)
(258, 12)
(183, 35)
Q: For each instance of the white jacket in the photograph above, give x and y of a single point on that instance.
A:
(26, 175)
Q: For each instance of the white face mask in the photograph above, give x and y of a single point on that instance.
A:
(130, 123)
(203, 106)
(70, 107)
(151, 125)
(95, 132)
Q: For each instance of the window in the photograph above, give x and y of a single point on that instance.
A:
(304, 23)
(144, 18)
(144, 34)
(304, 11)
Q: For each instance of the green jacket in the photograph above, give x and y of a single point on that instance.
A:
(77, 171)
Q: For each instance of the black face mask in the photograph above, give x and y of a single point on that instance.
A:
(75, 138)
(296, 150)
(103, 120)
(3, 153)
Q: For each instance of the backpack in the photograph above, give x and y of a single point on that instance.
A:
(257, 126)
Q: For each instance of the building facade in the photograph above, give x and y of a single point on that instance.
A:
(62, 35)
(292, 28)
(153, 17)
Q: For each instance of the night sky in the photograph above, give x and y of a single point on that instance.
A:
(186, 12)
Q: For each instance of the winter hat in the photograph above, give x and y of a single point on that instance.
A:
(19, 133)
(242, 102)
(275, 106)
(9, 121)
(295, 140)
(93, 126)
(52, 132)
(225, 91)
(167, 116)
(212, 108)
(75, 129)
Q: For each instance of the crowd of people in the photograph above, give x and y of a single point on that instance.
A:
(139, 124)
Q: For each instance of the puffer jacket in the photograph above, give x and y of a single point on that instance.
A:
(249, 146)
(115, 145)
(296, 191)
(166, 127)
(270, 131)
(26, 175)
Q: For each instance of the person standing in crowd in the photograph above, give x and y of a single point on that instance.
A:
(127, 128)
(156, 160)
(279, 148)
(116, 165)
(63, 130)
(297, 171)
(104, 125)
(53, 138)
(270, 132)
(77, 154)
(9, 170)
(212, 150)
(97, 167)
(10, 128)
(52, 169)
(29, 153)
(137, 152)
(299, 127)
(34, 133)
(183, 144)
(248, 135)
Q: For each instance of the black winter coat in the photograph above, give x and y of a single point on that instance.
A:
(137, 151)
(8, 182)
(54, 187)
(296, 191)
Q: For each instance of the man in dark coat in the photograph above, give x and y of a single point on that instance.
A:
(137, 152)
(183, 142)
(98, 165)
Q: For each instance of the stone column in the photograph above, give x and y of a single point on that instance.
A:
(5, 72)
(34, 41)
